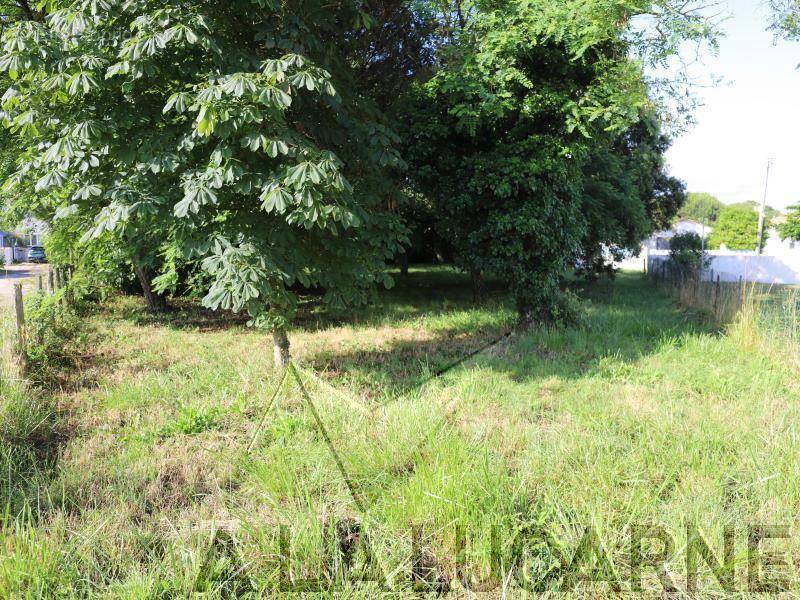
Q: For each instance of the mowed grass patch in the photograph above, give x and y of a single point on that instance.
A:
(643, 417)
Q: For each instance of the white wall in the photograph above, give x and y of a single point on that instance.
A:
(775, 246)
(20, 254)
(751, 267)
(730, 265)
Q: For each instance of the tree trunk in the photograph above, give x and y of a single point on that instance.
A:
(403, 259)
(153, 301)
(280, 344)
(478, 285)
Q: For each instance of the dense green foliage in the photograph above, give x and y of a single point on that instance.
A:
(535, 141)
(191, 133)
(241, 148)
(626, 195)
(752, 205)
(791, 228)
(687, 254)
(736, 228)
(701, 207)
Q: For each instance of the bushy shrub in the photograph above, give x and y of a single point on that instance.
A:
(56, 338)
(687, 254)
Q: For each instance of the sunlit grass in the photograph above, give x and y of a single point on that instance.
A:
(648, 415)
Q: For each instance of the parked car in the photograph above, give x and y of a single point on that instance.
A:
(36, 254)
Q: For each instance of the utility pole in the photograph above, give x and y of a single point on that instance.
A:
(761, 212)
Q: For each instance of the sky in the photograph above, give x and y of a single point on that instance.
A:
(750, 116)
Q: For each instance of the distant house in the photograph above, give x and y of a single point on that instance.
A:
(661, 239)
(33, 231)
(7, 243)
(776, 246)
(14, 245)
(778, 263)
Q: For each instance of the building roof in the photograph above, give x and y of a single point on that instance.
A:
(779, 220)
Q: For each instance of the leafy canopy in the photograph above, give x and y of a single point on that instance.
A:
(701, 207)
(530, 99)
(627, 193)
(769, 212)
(737, 228)
(791, 228)
(223, 132)
(785, 20)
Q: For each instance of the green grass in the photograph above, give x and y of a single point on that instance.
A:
(648, 415)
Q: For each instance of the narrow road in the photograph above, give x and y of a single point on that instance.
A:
(24, 273)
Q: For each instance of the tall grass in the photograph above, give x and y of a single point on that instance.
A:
(757, 316)
(773, 309)
(645, 416)
(28, 430)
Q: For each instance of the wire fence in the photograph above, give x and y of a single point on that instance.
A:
(55, 280)
(725, 296)
(710, 292)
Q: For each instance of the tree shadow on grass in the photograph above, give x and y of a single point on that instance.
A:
(396, 366)
(626, 320)
(393, 348)
(182, 314)
(426, 291)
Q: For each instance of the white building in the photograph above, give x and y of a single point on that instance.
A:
(661, 239)
(14, 245)
(778, 264)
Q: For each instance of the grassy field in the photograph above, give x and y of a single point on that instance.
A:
(427, 476)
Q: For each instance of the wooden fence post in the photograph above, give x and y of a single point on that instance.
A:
(715, 296)
(40, 283)
(59, 279)
(19, 313)
(51, 285)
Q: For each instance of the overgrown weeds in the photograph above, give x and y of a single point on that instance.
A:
(29, 432)
(57, 338)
